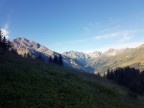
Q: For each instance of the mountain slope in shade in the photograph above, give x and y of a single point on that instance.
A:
(30, 83)
(26, 47)
(96, 62)
(80, 56)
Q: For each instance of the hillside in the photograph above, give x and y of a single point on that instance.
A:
(111, 59)
(130, 57)
(29, 83)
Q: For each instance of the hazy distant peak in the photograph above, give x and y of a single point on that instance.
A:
(95, 54)
(113, 52)
(76, 54)
(141, 46)
(110, 50)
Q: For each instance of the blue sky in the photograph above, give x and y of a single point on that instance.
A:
(79, 25)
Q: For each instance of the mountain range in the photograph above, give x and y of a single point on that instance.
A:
(95, 62)
(30, 83)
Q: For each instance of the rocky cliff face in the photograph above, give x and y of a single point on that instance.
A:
(76, 54)
(95, 54)
(24, 46)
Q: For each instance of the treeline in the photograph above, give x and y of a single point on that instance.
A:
(129, 77)
(57, 59)
(4, 43)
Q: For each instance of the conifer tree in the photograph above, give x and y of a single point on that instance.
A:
(108, 74)
(60, 60)
(4, 43)
(0, 38)
(55, 60)
(50, 59)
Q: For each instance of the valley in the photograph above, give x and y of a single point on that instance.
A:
(95, 62)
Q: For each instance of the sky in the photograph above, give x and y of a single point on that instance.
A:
(78, 25)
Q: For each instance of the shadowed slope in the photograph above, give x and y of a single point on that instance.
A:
(29, 83)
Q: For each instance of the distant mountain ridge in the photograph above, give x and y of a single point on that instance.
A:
(95, 54)
(80, 56)
(26, 47)
(97, 62)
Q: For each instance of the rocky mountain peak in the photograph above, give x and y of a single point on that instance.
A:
(95, 54)
(111, 52)
(24, 46)
(27, 43)
(114, 52)
(141, 46)
(76, 54)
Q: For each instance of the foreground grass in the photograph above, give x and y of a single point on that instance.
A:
(28, 83)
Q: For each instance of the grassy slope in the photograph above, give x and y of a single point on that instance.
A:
(133, 58)
(28, 83)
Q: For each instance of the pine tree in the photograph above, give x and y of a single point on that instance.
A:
(39, 57)
(55, 60)
(4, 43)
(60, 60)
(108, 74)
(50, 59)
(1, 38)
(8, 44)
(98, 74)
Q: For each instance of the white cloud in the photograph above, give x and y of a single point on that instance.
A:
(106, 36)
(129, 45)
(118, 46)
(125, 38)
(91, 27)
(75, 41)
(5, 31)
(121, 37)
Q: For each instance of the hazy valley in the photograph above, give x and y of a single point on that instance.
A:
(95, 62)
